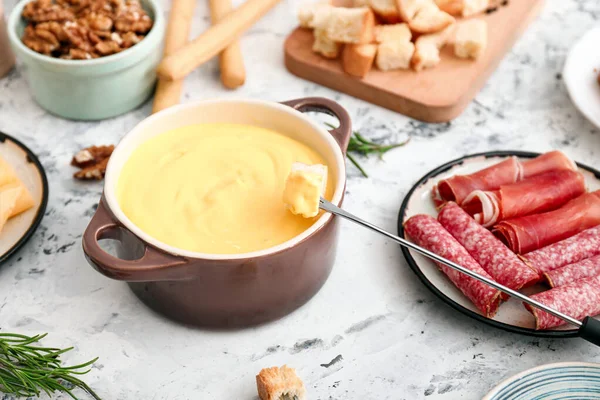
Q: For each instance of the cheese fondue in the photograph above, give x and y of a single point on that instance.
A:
(214, 188)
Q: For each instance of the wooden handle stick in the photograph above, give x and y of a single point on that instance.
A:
(233, 73)
(168, 92)
(214, 39)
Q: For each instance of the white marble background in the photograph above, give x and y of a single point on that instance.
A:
(394, 338)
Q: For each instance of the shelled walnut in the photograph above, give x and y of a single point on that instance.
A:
(84, 29)
(92, 162)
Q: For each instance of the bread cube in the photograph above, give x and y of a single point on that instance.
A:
(394, 55)
(430, 19)
(277, 383)
(408, 8)
(325, 46)
(357, 59)
(386, 10)
(473, 7)
(471, 39)
(427, 49)
(392, 33)
(464, 8)
(309, 12)
(351, 25)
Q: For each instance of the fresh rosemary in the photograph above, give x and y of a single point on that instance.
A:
(27, 369)
(361, 145)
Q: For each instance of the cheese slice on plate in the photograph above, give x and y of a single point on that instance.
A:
(7, 173)
(24, 200)
(8, 200)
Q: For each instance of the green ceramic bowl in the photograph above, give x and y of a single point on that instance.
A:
(92, 89)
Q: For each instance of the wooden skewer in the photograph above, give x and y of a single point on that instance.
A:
(233, 73)
(168, 92)
(214, 40)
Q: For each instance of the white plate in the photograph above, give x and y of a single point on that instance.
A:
(512, 316)
(570, 380)
(19, 229)
(580, 75)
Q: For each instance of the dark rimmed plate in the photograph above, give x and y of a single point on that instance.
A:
(512, 315)
(568, 380)
(19, 229)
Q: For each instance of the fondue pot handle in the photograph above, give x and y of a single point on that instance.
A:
(320, 104)
(153, 265)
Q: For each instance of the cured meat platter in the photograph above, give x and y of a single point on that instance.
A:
(423, 205)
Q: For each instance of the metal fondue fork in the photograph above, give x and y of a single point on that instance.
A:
(589, 328)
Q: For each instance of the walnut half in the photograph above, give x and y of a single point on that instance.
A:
(92, 161)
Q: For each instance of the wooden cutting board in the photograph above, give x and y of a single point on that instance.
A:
(435, 95)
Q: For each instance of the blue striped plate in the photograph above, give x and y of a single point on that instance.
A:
(562, 381)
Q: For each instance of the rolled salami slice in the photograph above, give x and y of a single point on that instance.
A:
(569, 273)
(489, 252)
(576, 248)
(427, 232)
(525, 234)
(551, 161)
(577, 299)
(458, 187)
(540, 193)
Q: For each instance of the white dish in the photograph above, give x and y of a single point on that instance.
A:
(569, 380)
(580, 75)
(512, 315)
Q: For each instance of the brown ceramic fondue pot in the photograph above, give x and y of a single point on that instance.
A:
(222, 290)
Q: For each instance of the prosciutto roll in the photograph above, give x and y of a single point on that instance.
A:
(427, 232)
(458, 187)
(574, 249)
(489, 252)
(551, 161)
(569, 273)
(525, 234)
(540, 193)
(577, 299)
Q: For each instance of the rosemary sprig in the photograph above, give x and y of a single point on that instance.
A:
(27, 369)
(363, 146)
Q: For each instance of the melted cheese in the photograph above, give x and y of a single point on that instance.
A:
(214, 188)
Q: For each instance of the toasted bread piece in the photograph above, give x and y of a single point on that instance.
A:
(24, 200)
(276, 383)
(464, 8)
(430, 19)
(351, 25)
(427, 48)
(471, 39)
(392, 33)
(473, 7)
(394, 55)
(426, 55)
(307, 13)
(452, 7)
(304, 187)
(357, 59)
(325, 46)
(360, 3)
(8, 200)
(386, 10)
(408, 8)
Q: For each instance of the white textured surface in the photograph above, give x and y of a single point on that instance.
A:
(395, 339)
